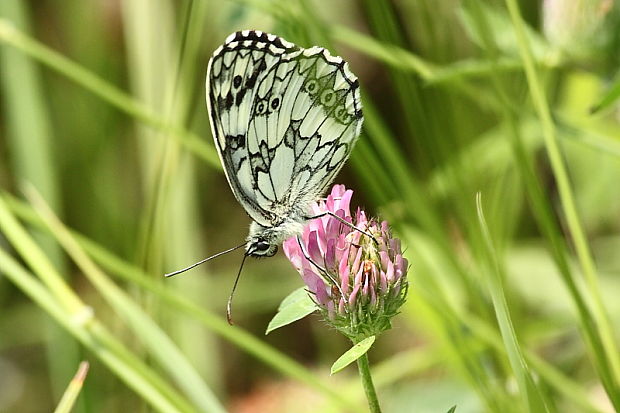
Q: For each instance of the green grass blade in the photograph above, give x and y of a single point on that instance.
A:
(73, 390)
(93, 336)
(484, 334)
(532, 397)
(38, 261)
(30, 143)
(544, 215)
(462, 353)
(169, 80)
(159, 344)
(120, 100)
(28, 127)
(80, 313)
(612, 354)
(394, 56)
(473, 68)
(236, 335)
(553, 376)
(406, 61)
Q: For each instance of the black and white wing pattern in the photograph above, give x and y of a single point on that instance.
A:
(284, 120)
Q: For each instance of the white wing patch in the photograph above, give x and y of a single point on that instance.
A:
(284, 120)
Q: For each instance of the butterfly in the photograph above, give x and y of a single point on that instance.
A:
(284, 120)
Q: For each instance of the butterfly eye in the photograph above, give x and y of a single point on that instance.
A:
(311, 86)
(275, 102)
(261, 248)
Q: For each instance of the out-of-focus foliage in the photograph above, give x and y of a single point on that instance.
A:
(102, 119)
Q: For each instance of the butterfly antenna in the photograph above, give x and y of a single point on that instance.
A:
(230, 298)
(170, 274)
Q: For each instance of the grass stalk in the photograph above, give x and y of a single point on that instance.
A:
(234, 334)
(13, 37)
(95, 337)
(69, 397)
(30, 141)
(159, 344)
(542, 211)
(567, 200)
(532, 397)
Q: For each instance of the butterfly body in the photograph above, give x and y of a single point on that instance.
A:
(284, 120)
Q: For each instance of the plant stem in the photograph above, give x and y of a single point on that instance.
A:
(369, 387)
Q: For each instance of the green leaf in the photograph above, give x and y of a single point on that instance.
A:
(294, 307)
(353, 354)
(452, 409)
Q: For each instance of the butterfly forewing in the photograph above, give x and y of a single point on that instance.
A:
(284, 120)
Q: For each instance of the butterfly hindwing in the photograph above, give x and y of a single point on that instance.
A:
(284, 120)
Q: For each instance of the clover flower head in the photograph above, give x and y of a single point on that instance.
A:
(358, 283)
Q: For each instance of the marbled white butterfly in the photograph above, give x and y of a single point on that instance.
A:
(284, 120)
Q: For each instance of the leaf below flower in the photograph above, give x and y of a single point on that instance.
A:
(353, 354)
(294, 307)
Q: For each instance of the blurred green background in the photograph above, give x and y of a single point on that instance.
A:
(102, 119)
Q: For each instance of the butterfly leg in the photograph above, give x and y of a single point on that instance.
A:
(347, 223)
(324, 273)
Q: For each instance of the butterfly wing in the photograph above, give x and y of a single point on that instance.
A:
(284, 120)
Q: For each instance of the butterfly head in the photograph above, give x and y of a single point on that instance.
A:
(261, 242)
